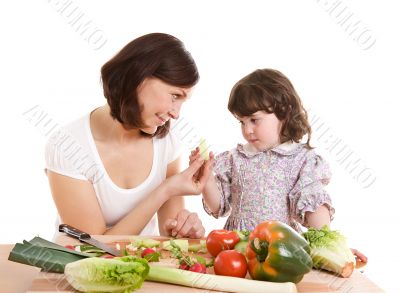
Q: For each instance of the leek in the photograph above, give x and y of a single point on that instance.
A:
(50, 260)
(214, 282)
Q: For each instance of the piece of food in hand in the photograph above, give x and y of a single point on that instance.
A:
(329, 251)
(204, 149)
(120, 274)
(230, 263)
(277, 253)
(183, 244)
(221, 239)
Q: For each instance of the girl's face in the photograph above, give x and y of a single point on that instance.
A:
(261, 130)
(160, 102)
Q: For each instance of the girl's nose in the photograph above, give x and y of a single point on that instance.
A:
(248, 129)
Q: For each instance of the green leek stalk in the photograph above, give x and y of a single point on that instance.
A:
(214, 282)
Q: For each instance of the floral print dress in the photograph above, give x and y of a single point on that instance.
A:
(282, 184)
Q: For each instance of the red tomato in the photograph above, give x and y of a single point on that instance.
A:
(70, 247)
(219, 240)
(230, 263)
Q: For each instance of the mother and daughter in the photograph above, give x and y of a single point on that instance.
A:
(128, 179)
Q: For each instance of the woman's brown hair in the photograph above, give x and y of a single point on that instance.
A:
(270, 91)
(153, 55)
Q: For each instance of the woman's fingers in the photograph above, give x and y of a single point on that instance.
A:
(170, 225)
(195, 166)
(190, 226)
(180, 221)
(206, 171)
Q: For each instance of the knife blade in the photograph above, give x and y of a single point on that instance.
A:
(85, 237)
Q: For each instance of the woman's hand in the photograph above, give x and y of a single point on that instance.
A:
(194, 155)
(189, 181)
(186, 224)
(361, 259)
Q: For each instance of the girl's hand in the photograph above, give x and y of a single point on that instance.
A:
(186, 224)
(189, 181)
(361, 259)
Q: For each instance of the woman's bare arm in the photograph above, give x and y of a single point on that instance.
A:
(77, 206)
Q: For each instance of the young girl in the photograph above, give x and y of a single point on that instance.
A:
(274, 176)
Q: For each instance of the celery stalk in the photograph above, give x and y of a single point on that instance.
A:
(214, 282)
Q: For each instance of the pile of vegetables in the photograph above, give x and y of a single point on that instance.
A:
(273, 252)
(274, 255)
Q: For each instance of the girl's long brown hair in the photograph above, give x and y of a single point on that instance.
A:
(270, 91)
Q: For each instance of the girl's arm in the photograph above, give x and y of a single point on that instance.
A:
(212, 195)
(77, 203)
(319, 218)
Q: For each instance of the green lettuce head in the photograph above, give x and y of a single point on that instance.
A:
(120, 274)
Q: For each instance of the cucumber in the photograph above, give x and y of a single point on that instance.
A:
(145, 242)
(183, 244)
(198, 247)
(204, 149)
(241, 247)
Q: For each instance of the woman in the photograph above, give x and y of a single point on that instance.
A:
(116, 170)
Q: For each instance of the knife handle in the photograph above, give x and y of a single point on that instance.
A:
(71, 231)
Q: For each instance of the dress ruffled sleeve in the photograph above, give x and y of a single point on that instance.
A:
(308, 192)
(223, 179)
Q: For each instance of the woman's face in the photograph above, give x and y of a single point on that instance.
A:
(160, 102)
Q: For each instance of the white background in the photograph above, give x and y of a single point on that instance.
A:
(350, 82)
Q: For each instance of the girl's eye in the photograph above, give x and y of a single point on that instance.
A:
(241, 122)
(254, 120)
(174, 97)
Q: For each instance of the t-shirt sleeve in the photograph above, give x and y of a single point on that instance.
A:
(174, 145)
(57, 159)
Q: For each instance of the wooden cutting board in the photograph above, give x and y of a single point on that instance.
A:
(313, 282)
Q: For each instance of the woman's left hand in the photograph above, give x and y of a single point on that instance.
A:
(188, 181)
(361, 259)
(185, 224)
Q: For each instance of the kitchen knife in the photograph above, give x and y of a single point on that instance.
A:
(85, 237)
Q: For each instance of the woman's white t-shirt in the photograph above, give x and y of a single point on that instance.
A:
(72, 152)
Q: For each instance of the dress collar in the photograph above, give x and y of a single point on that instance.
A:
(286, 149)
